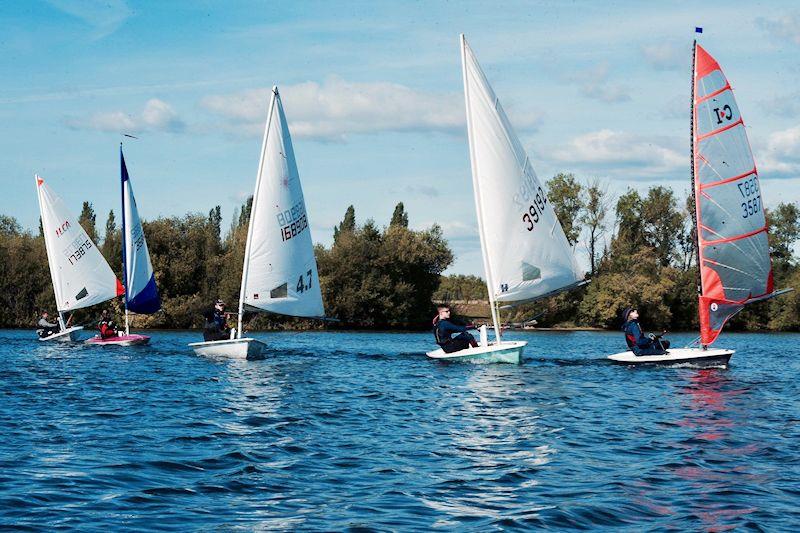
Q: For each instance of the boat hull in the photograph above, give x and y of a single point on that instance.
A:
(122, 340)
(246, 348)
(693, 357)
(505, 352)
(68, 335)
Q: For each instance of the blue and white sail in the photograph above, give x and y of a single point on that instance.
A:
(141, 293)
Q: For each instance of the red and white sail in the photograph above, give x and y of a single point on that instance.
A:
(735, 267)
(81, 276)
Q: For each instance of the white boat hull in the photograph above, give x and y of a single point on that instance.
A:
(694, 357)
(247, 348)
(67, 335)
(504, 352)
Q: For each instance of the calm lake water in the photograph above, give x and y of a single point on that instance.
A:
(359, 430)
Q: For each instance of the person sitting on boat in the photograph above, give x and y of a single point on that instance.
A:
(107, 326)
(47, 328)
(216, 326)
(443, 328)
(638, 342)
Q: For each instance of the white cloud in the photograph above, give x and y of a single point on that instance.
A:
(780, 158)
(157, 115)
(593, 83)
(336, 108)
(669, 55)
(105, 16)
(625, 155)
(785, 27)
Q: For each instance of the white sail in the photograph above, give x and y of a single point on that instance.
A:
(141, 293)
(280, 271)
(81, 276)
(526, 254)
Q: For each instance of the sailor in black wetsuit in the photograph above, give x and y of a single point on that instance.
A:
(637, 342)
(443, 328)
(216, 325)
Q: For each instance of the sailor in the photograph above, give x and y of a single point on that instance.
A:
(638, 343)
(107, 326)
(216, 326)
(47, 327)
(443, 328)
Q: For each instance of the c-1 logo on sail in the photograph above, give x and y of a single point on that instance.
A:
(724, 112)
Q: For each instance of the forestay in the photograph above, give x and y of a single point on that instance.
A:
(735, 266)
(280, 271)
(81, 276)
(141, 294)
(526, 253)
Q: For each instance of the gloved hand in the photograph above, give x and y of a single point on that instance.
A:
(652, 336)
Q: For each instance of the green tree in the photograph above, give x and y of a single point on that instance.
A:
(87, 221)
(399, 217)
(347, 225)
(593, 218)
(112, 244)
(564, 193)
(784, 230)
(662, 223)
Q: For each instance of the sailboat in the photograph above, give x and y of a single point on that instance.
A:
(80, 274)
(279, 274)
(141, 293)
(731, 229)
(526, 255)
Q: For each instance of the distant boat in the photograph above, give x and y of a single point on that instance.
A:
(80, 274)
(279, 274)
(526, 255)
(732, 241)
(141, 293)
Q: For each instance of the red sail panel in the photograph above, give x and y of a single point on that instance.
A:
(735, 266)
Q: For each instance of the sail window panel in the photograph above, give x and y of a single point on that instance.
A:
(731, 209)
(706, 85)
(717, 112)
(281, 291)
(743, 265)
(724, 156)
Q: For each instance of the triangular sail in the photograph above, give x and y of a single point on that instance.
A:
(280, 271)
(734, 262)
(81, 276)
(526, 254)
(141, 294)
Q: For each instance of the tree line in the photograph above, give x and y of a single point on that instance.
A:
(642, 252)
(640, 248)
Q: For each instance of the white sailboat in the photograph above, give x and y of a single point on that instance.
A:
(732, 241)
(80, 274)
(526, 255)
(141, 293)
(279, 274)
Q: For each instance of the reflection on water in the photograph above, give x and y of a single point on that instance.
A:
(359, 430)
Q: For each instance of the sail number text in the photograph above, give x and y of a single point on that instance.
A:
(302, 284)
(535, 210)
(751, 197)
(292, 221)
(77, 250)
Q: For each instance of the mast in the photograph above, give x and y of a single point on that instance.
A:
(122, 234)
(39, 181)
(695, 218)
(246, 266)
(476, 188)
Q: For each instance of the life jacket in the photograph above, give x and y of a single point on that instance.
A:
(630, 339)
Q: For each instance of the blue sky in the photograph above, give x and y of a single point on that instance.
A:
(372, 91)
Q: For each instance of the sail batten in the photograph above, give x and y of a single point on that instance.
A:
(280, 270)
(733, 247)
(526, 254)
